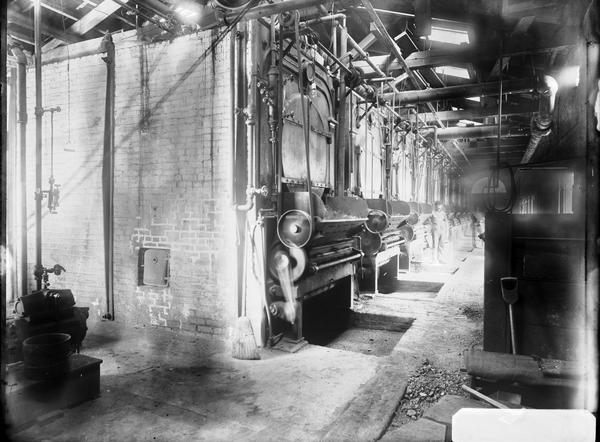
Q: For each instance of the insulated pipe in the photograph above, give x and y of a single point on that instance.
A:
(484, 131)
(461, 91)
(39, 112)
(542, 122)
(22, 115)
(210, 20)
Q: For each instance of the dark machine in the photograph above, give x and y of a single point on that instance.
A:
(49, 311)
(328, 220)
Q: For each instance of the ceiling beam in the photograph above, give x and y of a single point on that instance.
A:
(389, 42)
(58, 8)
(20, 36)
(490, 143)
(520, 85)
(483, 131)
(89, 21)
(365, 43)
(17, 18)
(492, 153)
(478, 113)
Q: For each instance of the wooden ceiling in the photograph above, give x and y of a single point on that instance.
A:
(530, 36)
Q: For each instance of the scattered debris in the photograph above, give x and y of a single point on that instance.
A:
(473, 312)
(425, 387)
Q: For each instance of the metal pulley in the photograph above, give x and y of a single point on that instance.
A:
(294, 257)
(407, 232)
(377, 221)
(370, 242)
(294, 228)
(412, 219)
(308, 71)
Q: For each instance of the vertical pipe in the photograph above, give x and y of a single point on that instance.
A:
(343, 123)
(242, 155)
(253, 40)
(108, 46)
(39, 112)
(22, 121)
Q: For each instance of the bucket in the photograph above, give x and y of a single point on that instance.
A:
(46, 356)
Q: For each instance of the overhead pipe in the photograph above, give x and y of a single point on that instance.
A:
(22, 121)
(461, 91)
(541, 124)
(416, 79)
(483, 131)
(326, 18)
(215, 18)
(39, 113)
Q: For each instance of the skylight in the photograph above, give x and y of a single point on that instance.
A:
(452, 36)
(453, 71)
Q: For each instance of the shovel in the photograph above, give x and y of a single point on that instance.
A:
(510, 294)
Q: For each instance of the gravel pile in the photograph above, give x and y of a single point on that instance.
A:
(425, 387)
(473, 312)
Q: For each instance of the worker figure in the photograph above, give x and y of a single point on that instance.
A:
(439, 231)
(475, 227)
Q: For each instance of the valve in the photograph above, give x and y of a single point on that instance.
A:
(42, 273)
(53, 195)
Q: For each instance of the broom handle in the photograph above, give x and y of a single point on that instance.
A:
(511, 321)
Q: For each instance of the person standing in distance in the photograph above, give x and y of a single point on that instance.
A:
(439, 227)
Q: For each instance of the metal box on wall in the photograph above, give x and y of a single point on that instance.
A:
(153, 267)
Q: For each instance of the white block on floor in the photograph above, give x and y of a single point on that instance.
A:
(526, 425)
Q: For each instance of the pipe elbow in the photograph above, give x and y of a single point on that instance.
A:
(19, 55)
(549, 86)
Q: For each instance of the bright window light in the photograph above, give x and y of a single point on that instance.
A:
(465, 123)
(188, 11)
(568, 77)
(478, 99)
(451, 36)
(453, 71)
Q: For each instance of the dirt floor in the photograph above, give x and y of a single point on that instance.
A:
(159, 384)
(444, 326)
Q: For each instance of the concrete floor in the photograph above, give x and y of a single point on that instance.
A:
(163, 385)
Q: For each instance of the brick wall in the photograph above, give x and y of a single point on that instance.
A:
(172, 180)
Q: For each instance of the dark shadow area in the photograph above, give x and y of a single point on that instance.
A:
(96, 341)
(366, 341)
(413, 288)
(327, 315)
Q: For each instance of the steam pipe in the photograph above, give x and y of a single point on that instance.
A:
(324, 19)
(22, 103)
(483, 131)
(39, 112)
(363, 54)
(541, 124)
(468, 90)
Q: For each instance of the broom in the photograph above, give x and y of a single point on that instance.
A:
(243, 343)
